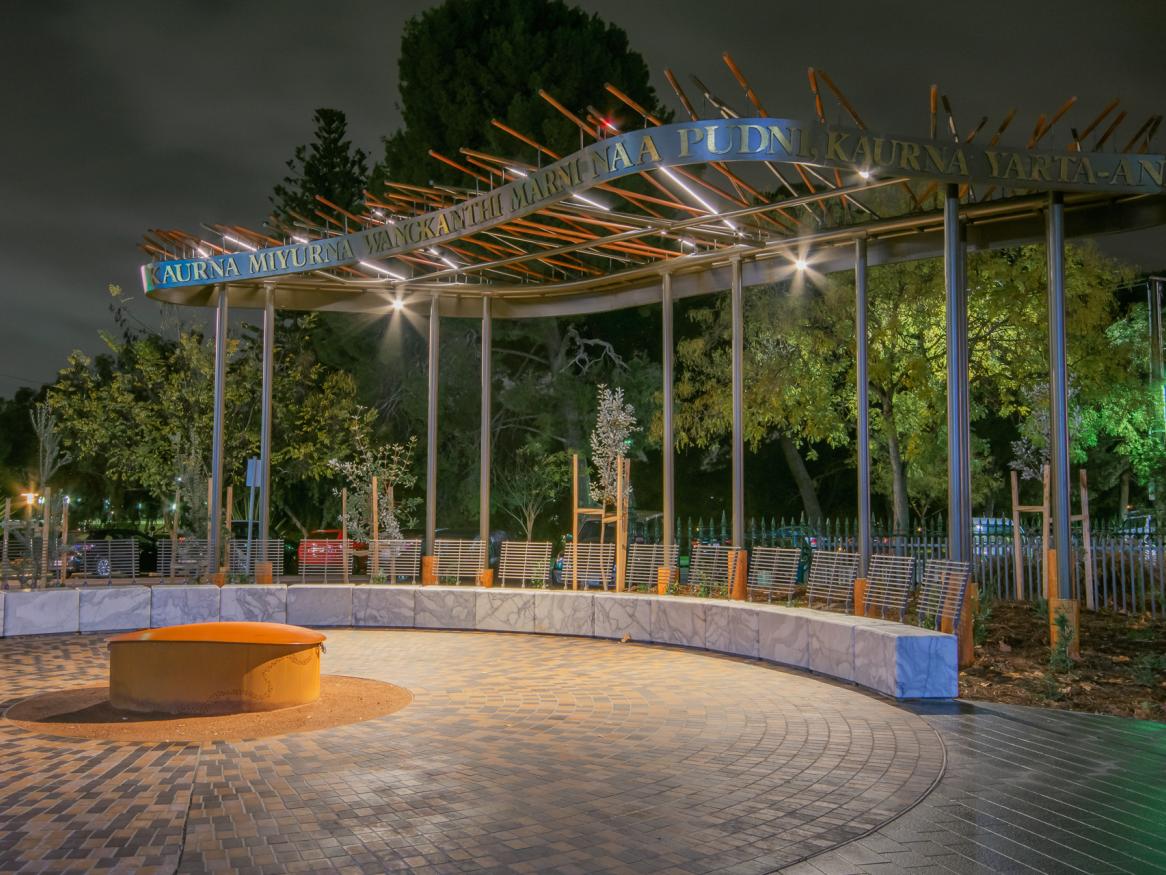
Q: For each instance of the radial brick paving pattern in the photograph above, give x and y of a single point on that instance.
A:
(518, 754)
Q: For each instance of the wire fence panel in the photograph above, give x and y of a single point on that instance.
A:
(525, 562)
(398, 560)
(244, 554)
(327, 558)
(713, 566)
(108, 558)
(189, 560)
(595, 563)
(643, 562)
(774, 570)
(459, 559)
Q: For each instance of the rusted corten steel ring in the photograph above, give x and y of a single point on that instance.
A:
(215, 668)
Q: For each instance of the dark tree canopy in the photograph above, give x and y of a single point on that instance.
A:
(468, 61)
(328, 166)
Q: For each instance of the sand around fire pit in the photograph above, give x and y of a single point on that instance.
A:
(85, 712)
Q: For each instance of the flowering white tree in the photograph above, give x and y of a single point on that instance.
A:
(615, 421)
(392, 465)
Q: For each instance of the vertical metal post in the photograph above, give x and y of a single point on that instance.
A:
(1058, 393)
(265, 420)
(1154, 292)
(959, 513)
(484, 463)
(738, 355)
(215, 509)
(431, 429)
(862, 426)
(667, 445)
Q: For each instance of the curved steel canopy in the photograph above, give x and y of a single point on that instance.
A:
(537, 245)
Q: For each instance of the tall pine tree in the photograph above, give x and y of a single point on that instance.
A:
(328, 166)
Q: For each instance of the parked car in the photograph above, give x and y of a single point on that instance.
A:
(323, 548)
(96, 561)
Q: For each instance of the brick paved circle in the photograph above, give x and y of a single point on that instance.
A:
(520, 753)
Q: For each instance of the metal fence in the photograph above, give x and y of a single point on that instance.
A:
(185, 558)
(244, 554)
(1124, 571)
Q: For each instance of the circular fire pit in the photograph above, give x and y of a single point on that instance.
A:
(215, 668)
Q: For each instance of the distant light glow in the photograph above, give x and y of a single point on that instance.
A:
(865, 174)
(299, 239)
(384, 271)
(516, 172)
(691, 244)
(608, 124)
(801, 264)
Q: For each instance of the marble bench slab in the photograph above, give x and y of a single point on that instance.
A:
(384, 606)
(176, 605)
(564, 613)
(445, 607)
(41, 612)
(113, 608)
(325, 604)
(253, 603)
(504, 610)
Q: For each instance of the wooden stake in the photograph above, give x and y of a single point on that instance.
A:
(1087, 541)
(376, 530)
(4, 546)
(64, 539)
(230, 515)
(1017, 560)
(344, 533)
(575, 521)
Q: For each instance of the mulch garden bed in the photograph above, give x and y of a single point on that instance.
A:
(1122, 669)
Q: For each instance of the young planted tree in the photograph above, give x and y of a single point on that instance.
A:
(393, 467)
(529, 485)
(615, 422)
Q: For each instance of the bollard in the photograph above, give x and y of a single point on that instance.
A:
(428, 570)
(739, 574)
(664, 577)
(860, 584)
(486, 578)
(264, 572)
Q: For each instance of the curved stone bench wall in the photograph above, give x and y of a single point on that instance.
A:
(890, 658)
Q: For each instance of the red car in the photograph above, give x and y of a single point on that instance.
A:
(323, 549)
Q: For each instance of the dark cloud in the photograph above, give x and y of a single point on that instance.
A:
(123, 116)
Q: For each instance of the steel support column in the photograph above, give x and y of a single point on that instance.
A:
(265, 419)
(215, 508)
(1058, 394)
(667, 446)
(484, 462)
(738, 355)
(431, 429)
(959, 504)
(862, 426)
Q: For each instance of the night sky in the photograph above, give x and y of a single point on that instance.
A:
(120, 117)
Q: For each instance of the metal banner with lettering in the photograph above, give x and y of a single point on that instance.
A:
(699, 142)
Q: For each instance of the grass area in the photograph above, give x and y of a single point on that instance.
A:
(1122, 669)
